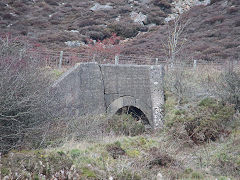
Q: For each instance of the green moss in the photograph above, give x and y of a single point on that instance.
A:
(238, 161)
(170, 108)
(75, 153)
(94, 155)
(117, 143)
(5, 171)
(188, 171)
(207, 102)
(35, 177)
(223, 157)
(170, 102)
(180, 112)
(139, 142)
(133, 153)
(61, 153)
(88, 172)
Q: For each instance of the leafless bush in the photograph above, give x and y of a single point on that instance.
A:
(26, 105)
(176, 83)
(91, 127)
(219, 81)
(86, 127)
(227, 87)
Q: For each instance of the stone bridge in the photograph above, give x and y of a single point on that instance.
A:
(91, 88)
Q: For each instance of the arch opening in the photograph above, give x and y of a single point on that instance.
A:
(135, 112)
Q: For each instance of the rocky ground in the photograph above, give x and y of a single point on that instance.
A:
(212, 34)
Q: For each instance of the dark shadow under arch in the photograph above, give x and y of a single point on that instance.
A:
(135, 112)
(141, 109)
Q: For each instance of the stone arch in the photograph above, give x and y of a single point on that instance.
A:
(130, 101)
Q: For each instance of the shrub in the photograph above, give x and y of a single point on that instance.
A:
(91, 128)
(124, 10)
(227, 87)
(163, 4)
(228, 163)
(95, 35)
(155, 20)
(126, 30)
(104, 49)
(125, 125)
(75, 153)
(52, 2)
(88, 22)
(9, 17)
(214, 20)
(237, 23)
(232, 10)
(209, 120)
(215, 1)
(95, 32)
(177, 83)
(29, 164)
(156, 17)
(79, 128)
(115, 150)
(212, 50)
(26, 106)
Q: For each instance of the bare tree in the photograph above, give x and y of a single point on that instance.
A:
(173, 45)
(175, 41)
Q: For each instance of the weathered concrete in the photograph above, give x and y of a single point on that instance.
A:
(157, 94)
(91, 88)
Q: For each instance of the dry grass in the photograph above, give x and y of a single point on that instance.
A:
(144, 158)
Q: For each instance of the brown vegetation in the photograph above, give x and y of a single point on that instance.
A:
(210, 27)
(44, 16)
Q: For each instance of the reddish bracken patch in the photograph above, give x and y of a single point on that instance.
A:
(105, 49)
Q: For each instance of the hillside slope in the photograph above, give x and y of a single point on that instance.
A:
(53, 22)
(212, 34)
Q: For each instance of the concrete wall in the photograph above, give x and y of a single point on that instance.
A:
(81, 90)
(90, 88)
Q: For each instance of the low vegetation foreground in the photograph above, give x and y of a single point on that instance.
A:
(200, 138)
